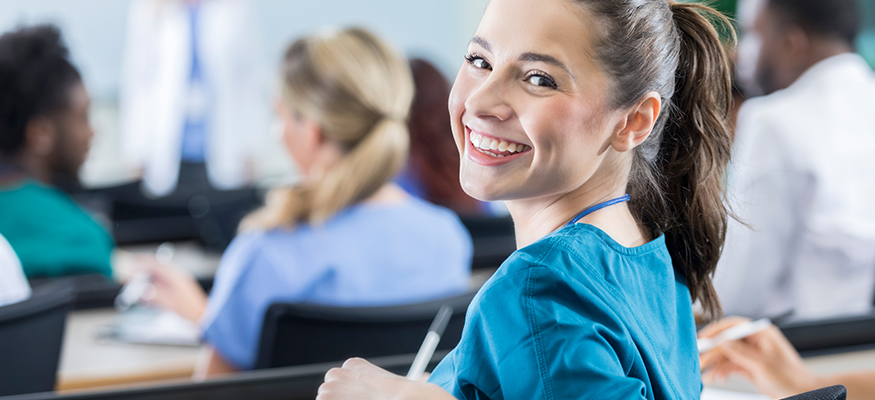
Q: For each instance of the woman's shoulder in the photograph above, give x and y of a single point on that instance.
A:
(411, 217)
(585, 260)
(413, 207)
(261, 243)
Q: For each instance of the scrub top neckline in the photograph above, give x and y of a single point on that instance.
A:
(573, 230)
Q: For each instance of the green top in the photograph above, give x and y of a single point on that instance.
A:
(727, 7)
(51, 235)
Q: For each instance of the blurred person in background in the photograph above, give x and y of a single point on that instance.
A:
(45, 135)
(432, 172)
(13, 284)
(770, 362)
(192, 101)
(800, 176)
(346, 235)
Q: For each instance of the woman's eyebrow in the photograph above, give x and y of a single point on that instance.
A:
(482, 42)
(547, 59)
(527, 56)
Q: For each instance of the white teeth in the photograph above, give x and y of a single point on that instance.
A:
(489, 145)
(475, 140)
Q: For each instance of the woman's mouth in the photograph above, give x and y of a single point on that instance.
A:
(491, 151)
(495, 147)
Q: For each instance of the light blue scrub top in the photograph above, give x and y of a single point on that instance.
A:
(367, 255)
(576, 315)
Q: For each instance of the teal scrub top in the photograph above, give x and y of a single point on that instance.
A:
(576, 315)
(51, 234)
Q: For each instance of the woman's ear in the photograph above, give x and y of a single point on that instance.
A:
(638, 123)
(39, 136)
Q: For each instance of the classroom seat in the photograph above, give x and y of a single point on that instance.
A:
(493, 239)
(31, 333)
(211, 217)
(299, 334)
(837, 392)
(830, 335)
(97, 291)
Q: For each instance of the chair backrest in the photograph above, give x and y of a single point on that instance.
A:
(493, 239)
(837, 392)
(31, 333)
(299, 334)
(830, 335)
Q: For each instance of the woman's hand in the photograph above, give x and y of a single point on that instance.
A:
(358, 379)
(766, 358)
(176, 290)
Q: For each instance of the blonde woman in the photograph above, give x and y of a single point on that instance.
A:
(346, 235)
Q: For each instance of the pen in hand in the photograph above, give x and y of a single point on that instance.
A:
(737, 332)
(430, 343)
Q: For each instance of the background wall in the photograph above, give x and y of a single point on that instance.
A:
(95, 32)
(437, 30)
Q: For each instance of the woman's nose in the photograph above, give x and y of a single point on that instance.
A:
(489, 100)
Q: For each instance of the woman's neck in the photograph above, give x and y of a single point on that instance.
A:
(536, 218)
(13, 169)
(388, 194)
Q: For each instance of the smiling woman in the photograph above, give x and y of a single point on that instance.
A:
(603, 125)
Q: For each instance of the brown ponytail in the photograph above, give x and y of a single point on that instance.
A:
(676, 182)
(359, 90)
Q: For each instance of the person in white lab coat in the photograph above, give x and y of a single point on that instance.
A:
(13, 285)
(801, 175)
(192, 92)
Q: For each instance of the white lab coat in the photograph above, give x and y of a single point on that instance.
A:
(13, 284)
(803, 178)
(155, 79)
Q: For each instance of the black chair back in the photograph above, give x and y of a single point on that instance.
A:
(830, 335)
(493, 239)
(31, 333)
(299, 334)
(837, 392)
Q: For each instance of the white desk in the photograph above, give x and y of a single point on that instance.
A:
(826, 364)
(188, 255)
(89, 362)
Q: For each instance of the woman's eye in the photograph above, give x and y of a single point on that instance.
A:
(478, 62)
(541, 81)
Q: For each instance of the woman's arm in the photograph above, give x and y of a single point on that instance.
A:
(860, 385)
(773, 365)
(358, 379)
(176, 290)
(211, 363)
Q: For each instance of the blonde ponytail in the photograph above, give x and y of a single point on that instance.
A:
(359, 90)
(363, 171)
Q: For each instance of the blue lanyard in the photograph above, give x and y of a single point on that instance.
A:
(597, 207)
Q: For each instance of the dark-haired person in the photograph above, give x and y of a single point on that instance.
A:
(802, 166)
(560, 109)
(44, 138)
(771, 363)
(432, 172)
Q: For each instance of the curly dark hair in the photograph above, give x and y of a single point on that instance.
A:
(835, 18)
(35, 79)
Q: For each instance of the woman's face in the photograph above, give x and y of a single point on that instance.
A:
(531, 87)
(301, 144)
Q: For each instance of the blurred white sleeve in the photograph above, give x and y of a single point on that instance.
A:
(13, 284)
(754, 275)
